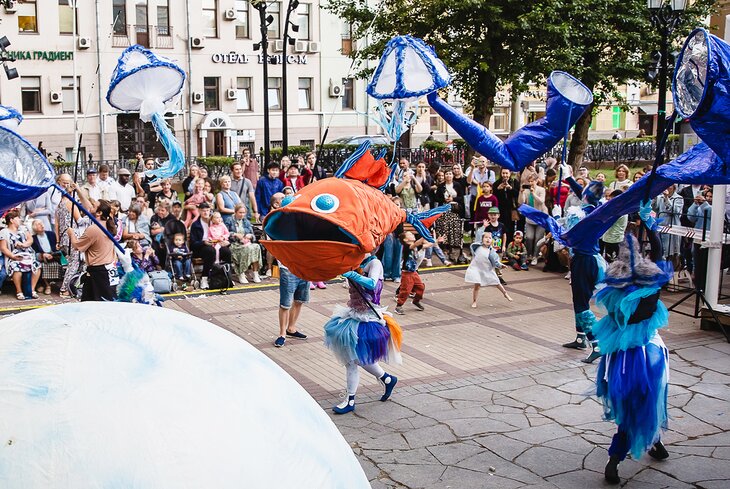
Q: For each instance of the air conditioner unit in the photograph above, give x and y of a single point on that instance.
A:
(231, 94)
(56, 97)
(197, 42)
(11, 7)
(313, 47)
(336, 90)
(84, 42)
(278, 46)
(230, 14)
(301, 46)
(197, 98)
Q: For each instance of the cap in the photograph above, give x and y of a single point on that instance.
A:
(123, 171)
(91, 170)
(204, 205)
(519, 233)
(493, 210)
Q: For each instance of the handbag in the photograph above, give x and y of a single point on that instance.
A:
(62, 259)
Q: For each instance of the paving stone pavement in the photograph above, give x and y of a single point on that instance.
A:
(487, 398)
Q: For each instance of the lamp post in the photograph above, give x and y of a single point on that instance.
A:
(665, 16)
(288, 41)
(264, 22)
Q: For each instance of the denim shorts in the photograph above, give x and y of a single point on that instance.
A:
(291, 288)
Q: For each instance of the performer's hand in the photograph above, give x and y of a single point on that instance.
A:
(350, 275)
(557, 211)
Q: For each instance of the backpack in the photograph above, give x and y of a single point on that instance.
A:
(160, 281)
(220, 277)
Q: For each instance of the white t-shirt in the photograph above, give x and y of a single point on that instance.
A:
(124, 195)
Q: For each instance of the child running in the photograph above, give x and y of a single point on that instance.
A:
(481, 269)
(410, 280)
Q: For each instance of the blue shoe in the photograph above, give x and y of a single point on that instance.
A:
(388, 382)
(279, 342)
(346, 406)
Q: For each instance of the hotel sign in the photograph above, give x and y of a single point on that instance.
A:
(274, 59)
(43, 55)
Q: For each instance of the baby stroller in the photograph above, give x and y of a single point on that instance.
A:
(171, 229)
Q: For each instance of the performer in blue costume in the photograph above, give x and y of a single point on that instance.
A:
(361, 334)
(633, 374)
(586, 263)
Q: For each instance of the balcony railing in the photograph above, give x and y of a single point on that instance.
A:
(163, 37)
(120, 36)
(145, 35)
(142, 35)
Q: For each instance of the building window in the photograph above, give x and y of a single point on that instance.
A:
(346, 38)
(434, 123)
(67, 92)
(348, 93)
(30, 88)
(163, 18)
(27, 16)
(210, 88)
(65, 17)
(274, 9)
(616, 116)
(499, 119)
(242, 19)
(119, 16)
(243, 93)
(275, 93)
(305, 94)
(307, 142)
(210, 18)
(303, 21)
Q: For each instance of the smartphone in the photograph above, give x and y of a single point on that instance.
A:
(526, 186)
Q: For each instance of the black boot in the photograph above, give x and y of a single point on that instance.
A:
(610, 473)
(595, 353)
(579, 343)
(658, 451)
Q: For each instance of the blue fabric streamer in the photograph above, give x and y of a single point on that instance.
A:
(21, 156)
(173, 148)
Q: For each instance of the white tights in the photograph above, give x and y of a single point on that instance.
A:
(353, 374)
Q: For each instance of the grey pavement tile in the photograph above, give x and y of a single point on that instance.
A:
(711, 377)
(680, 400)
(718, 391)
(695, 353)
(505, 447)
(419, 456)
(723, 347)
(453, 453)
(371, 470)
(467, 393)
(720, 365)
(653, 476)
(572, 444)
(540, 396)
(477, 426)
(518, 420)
(455, 477)
(582, 387)
(717, 440)
(383, 412)
(388, 441)
(709, 410)
(683, 379)
(503, 400)
(721, 452)
(676, 449)
(597, 458)
(712, 484)
(576, 414)
(693, 469)
(579, 479)
(429, 436)
(687, 425)
(540, 434)
(414, 476)
(546, 461)
(509, 384)
(490, 463)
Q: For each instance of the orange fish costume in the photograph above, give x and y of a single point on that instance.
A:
(331, 224)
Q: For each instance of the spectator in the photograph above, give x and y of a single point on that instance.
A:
(274, 203)
(287, 191)
(122, 190)
(449, 225)
(166, 192)
(136, 226)
(425, 180)
(638, 176)
(700, 212)
(573, 200)
(16, 246)
(623, 178)
(182, 265)
(408, 190)
(459, 176)
(584, 173)
(552, 187)
(217, 234)
(43, 208)
(600, 177)
(158, 222)
(527, 172)
(208, 191)
(412, 282)
(506, 190)
(91, 186)
(400, 172)
(226, 200)
(188, 184)
(142, 203)
(293, 292)
(68, 216)
(243, 187)
(193, 202)
(250, 166)
(284, 165)
(616, 135)
(140, 180)
(293, 179)
(494, 227)
(534, 196)
(310, 165)
(267, 186)
(484, 202)
(100, 278)
(391, 251)
(614, 235)
(245, 251)
(105, 183)
(143, 258)
(203, 248)
(668, 209)
(44, 245)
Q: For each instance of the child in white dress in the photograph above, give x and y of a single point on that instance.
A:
(481, 270)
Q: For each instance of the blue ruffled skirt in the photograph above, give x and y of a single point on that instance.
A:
(360, 337)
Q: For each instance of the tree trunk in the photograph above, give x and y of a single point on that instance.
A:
(579, 141)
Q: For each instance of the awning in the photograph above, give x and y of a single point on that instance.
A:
(650, 109)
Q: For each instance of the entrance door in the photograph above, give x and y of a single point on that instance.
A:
(134, 135)
(216, 143)
(141, 26)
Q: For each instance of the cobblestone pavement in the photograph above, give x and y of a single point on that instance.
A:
(487, 397)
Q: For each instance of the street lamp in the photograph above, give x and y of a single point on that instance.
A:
(665, 16)
(264, 22)
(288, 41)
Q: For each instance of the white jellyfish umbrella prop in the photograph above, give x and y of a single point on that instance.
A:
(149, 84)
(90, 399)
(408, 69)
(9, 117)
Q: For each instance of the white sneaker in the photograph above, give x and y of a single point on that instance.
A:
(567, 276)
(534, 261)
(256, 277)
(429, 263)
(268, 273)
(204, 283)
(242, 279)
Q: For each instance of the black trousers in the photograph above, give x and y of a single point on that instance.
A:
(207, 254)
(96, 285)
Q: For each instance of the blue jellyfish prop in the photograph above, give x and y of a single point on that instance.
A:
(567, 100)
(408, 69)
(146, 83)
(9, 117)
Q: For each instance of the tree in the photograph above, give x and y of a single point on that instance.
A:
(603, 43)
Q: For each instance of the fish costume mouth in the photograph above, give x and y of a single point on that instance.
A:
(329, 225)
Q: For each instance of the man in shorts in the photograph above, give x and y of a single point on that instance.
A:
(293, 292)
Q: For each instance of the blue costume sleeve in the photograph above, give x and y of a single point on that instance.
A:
(361, 280)
(575, 187)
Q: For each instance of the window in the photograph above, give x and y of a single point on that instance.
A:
(210, 18)
(65, 17)
(346, 38)
(210, 88)
(274, 10)
(30, 89)
(243, 94)
(499, 119)
(303, 21)
(119, 16)
(163, 18)
(67, 92)
(348, 93)
(242, 19)
(616, 116)
(27, 16)
(305, 94)
(434, 120)
(141, 27)
(275, 93)
(307, 142)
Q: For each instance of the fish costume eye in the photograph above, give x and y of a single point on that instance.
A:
(325, 203)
